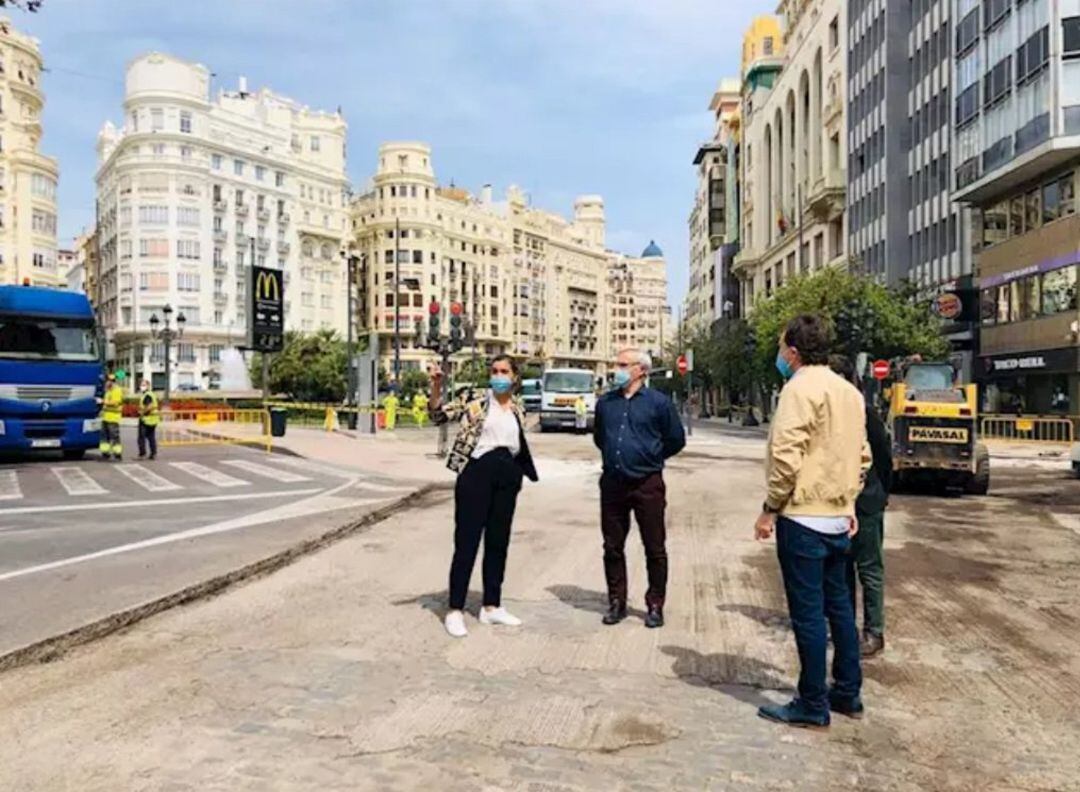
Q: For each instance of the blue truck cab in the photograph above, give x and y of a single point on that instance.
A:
(50, 372)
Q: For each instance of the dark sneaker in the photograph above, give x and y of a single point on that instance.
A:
(849, 707)
(142, 456)
(871, 645)
(655, 617)
(616, 613)
(794, 714)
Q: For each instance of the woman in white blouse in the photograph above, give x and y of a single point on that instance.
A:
(490, 456)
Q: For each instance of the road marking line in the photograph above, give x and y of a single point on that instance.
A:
(209, 475)
(77, 481)
(267, 472)
(9, 485)
(147, 479)
(371, 485)
(150, 502)
(229, 525)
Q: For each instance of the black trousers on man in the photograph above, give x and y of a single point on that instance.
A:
(646, 498)
(484, 501)
(147, 436)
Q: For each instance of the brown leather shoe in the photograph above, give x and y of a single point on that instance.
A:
(871, 645)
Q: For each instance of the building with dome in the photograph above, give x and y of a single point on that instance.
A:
(537, 286)
(193, 189)
(28, 250)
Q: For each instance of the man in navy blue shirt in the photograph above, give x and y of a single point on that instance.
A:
(636, 429)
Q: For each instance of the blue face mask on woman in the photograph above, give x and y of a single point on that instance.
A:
(783, 366)
(621, 379)
(500, 383)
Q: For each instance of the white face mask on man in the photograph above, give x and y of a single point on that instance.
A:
(144, 388)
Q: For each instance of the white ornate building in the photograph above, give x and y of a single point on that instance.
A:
(538, 286)
(192, 191)
(27, 177)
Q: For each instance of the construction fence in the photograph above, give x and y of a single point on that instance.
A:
(215, 426)
(1051, 430)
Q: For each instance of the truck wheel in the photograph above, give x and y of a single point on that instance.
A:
(979, 483)
(74, 453)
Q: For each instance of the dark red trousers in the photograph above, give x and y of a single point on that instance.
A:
(646, 499)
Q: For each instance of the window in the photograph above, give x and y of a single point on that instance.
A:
(185, 152)
(41, 186)
(158, 149)
(1034, 210)
(185, 352)
(834, 34)
(315, 143)
(1050, 202)
(325, 301)
(215, 161)
(389, 257)
(260, 173)
(187, 248)
(153, 215)
(279, 179)
(185, 122)
(187, 216)
(187, 282)
(157, 119)
(1070, 37)
(238, 167)
(154, 248)
(43, 222)
(1066, 195)
(216, 349)
(418, 257)
(1016, 216)
(153, 281)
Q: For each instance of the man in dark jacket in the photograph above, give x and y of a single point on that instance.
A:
(867, 546)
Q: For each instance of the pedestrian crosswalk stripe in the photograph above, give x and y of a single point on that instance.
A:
(371, 485)
(283, 476)
(9, 485)
(209, 475)
(313, 467)
(77, 481)
(148, 479)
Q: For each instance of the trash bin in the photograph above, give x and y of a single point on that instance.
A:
(278, 419)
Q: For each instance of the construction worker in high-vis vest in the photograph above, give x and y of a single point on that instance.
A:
(419, 408)
(112, 409)
(149, 418)
(390, 408)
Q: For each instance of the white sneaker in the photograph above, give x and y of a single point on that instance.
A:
(499, 616)
(455, 624)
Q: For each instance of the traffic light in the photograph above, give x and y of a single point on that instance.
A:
(434, 311)
(455, 325)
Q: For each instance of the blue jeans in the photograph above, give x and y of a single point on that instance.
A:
(814, 566)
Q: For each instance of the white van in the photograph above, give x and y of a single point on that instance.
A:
(560, 389)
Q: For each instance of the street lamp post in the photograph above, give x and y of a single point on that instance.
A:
(162, 331)
(397, 300)
(350, 377)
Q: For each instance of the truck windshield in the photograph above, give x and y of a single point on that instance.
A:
(568, 382)
(929, 378)
(530, 387)
(42, 339)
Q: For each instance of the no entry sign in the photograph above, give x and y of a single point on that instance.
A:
(880, 369)
(682, 365)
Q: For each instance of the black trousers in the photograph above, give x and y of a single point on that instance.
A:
(484, 501)
(646, 498)
(147, 434)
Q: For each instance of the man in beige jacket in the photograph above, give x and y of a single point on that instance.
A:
(816, 458)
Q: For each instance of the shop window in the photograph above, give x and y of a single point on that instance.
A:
(1002, 301)
(1059, 291)
(988, 306)
(996, 224)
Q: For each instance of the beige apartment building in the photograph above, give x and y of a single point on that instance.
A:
(533, 284)
(794, 148)
(192, 191)
(712, 232)
(28, 250)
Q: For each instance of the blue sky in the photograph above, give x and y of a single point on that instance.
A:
(562, 97)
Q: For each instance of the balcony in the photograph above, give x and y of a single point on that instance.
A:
(242, 209)
(220, 298)
(263, 215)
(263, 243)
(827, 196)
(220, 235)
(220, 207)
(283, 247)
(221, 267)
(283, 218)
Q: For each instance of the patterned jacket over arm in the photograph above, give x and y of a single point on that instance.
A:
(470, 410)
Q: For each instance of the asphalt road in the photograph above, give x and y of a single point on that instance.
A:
(81, 540)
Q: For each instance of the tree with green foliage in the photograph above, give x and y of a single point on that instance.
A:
(413, 381)
(473, 371)
(310, 368)
(865, 315)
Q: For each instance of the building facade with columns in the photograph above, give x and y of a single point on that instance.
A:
(534, 284)
(28, 250)
(794, 150)
(193, 190)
